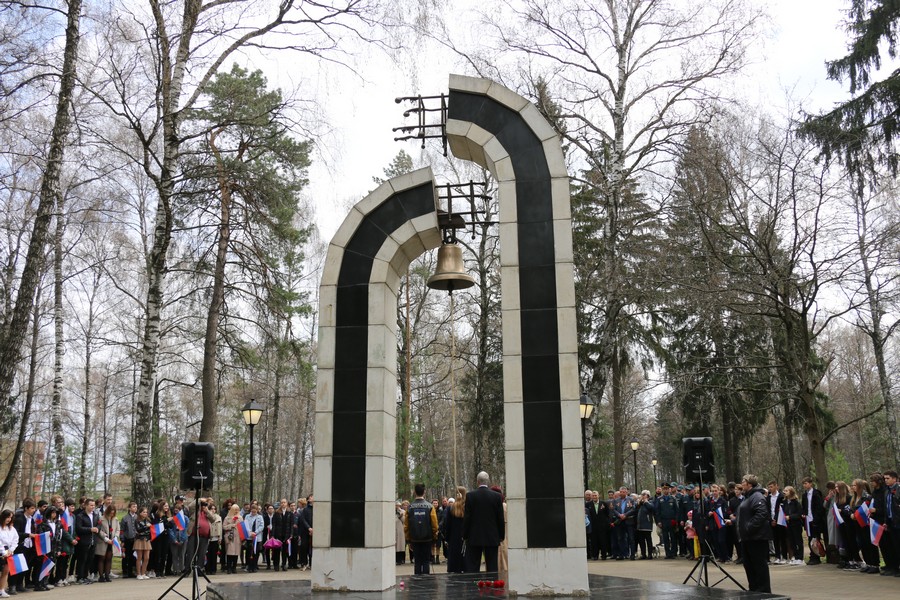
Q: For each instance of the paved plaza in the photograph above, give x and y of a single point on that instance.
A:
(800, 583)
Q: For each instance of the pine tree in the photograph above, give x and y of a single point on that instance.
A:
(859, 133)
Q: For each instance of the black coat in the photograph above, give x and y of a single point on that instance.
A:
(305, 521)
(83, 531)
(817, 508)
(282, 525)
(483, 523)
(753, 517)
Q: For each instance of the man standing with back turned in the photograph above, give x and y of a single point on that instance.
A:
(421, 529)
(754, 532)
(483, 528)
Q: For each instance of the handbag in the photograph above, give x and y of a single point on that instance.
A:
(272, 543)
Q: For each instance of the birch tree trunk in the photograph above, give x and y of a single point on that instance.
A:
(16, 461)
(11, 340)
(62, 468)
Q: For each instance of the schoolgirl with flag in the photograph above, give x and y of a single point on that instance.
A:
(252, 529)
(9, 541)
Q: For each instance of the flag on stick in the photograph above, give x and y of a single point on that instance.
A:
(875, 532)
(862, 514)
(156, 531)
(837, 514)
(17, 564)
(117, 546)
(181, 520)
(42, 543)
(47, 567)
(782, 520)
(719, 517)
(243, 532)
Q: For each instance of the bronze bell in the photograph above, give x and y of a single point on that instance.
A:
(450, 274)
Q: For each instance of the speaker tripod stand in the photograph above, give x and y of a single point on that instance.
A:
(702, 570)
(195, 561)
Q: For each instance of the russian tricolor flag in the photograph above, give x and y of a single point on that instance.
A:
(156, 530)
(719, 517)
(42, 543)
(181, 520)
(289, 548)
(17, 564)
(47, 567)
(117, 545)
(67, 520)
(38, 519)
(862, 514)
(875, 531)
(782, 520)
(243, 531)
(837, 513)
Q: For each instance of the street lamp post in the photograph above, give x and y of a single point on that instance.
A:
(252, 412)
(634, 448)
(587, 409)
(654, 462)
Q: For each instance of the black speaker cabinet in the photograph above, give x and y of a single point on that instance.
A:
(197, 465)
(698, 460)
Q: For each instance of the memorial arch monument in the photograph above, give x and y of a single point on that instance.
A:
(354, 452)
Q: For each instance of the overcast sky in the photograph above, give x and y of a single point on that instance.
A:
(804, 34)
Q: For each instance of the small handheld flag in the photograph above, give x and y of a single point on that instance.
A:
(837, 514)
(68, 520)
(289, 548)
(243, 532)
(782, 520)
(47, 567)
(862, 514)
(17, 564)
(38, 518)
(719, 517)
(181, 520)
(875, 532)
(809, 525)
(117, 546)
(156, 530)
(42, 543)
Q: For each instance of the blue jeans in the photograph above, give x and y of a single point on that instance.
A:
(625, 540)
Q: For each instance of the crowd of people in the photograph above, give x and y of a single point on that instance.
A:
(56, 543)
(856, 527)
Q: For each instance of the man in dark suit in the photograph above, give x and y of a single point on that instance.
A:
(85, 528)
(813, 516)
(282, 525)
(483, 527)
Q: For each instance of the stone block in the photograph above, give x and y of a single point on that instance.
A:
(331, 270)
(507, 201)
(506, 97)
(561, 197)
(509, 245)
(324, 389)
(473, 85)
(538, 124)
(327, 306)
(512, 378)
(512, 333)
(549, 571)
(509, 288)
(324, 433)
(568, 334)
(381, 435)
(562, 240)
(322, 483)
(556, 161)
(326, 347)
(348, 228)
(381, 483)
(565, 284)
(515, 470)
(375, 198)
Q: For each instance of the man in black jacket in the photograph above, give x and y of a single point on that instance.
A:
(282, 527)
(813, 516)
(483, 527)
(85, 528)
(755, 532)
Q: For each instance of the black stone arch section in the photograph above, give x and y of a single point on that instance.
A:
(351, 356)
(542, 418)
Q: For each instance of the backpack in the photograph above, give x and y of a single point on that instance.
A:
(419, 521)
